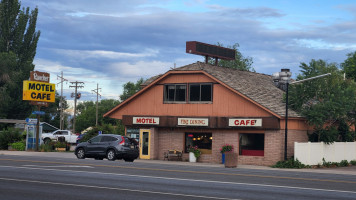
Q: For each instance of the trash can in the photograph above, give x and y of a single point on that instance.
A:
(230, 159)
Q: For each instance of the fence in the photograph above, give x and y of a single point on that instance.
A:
(313, 153)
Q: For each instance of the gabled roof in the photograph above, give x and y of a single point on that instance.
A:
(257, 88)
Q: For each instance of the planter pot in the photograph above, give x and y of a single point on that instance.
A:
(61, 149)
(192, 157)
(230, 159)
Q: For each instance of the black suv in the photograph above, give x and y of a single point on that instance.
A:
(108, 146)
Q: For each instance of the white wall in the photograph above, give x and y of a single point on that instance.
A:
(312, 153)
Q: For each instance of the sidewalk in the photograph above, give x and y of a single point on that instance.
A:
(341, 170)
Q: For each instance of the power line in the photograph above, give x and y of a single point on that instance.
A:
(96, 91)
(76, 86)
(61, 121)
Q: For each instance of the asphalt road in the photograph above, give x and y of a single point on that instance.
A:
(64, 177)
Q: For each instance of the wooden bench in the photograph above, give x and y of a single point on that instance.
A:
(173, 154)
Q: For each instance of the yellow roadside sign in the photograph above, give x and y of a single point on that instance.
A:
(38, 91)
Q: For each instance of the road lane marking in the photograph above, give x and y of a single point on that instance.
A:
(184, 171)
(191, 180)
(65, 166)
(112, 188)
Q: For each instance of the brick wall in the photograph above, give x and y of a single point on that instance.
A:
(173, 139)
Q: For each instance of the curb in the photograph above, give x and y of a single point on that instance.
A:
(341, 170)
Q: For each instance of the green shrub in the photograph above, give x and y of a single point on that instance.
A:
(343, 163)
(9, 136)
(291, 163)
(19, 146)
(353, 162)
(60, 145)
(46, 147)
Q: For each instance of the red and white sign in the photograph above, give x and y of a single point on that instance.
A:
(145, 120)
(193, 121)
(245, 122)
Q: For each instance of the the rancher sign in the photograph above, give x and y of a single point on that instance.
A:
(39, 91)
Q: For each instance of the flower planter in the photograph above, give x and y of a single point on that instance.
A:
(61, 149)
(192, 157)
(230, 159)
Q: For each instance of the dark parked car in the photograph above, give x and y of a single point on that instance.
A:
(108, 146)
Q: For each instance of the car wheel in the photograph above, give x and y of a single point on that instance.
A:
(110, 155)
(80, 153)
(47, 141)
(128, 160)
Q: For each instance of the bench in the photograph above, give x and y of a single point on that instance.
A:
(173, 154)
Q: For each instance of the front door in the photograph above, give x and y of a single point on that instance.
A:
(145, 143)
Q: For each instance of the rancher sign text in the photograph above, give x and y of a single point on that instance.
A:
(39, 91)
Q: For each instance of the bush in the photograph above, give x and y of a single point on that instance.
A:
(19, 146)
(343, 163)
(60, 145)
(106, 129)
(9, 136)
(291, 163)
(353, 162)
(46, 147)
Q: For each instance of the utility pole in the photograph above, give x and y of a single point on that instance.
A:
(96, 91)
(61, 120)
(76, 86)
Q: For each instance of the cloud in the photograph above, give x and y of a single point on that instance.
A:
(119, 41)
(139, 69)
(102, 54)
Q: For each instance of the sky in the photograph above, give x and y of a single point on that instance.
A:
(112, 42)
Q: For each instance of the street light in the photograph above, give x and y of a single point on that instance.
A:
(284, 77)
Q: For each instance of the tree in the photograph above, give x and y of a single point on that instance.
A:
(349, 66)
(240, 62)
(18, 43)
(7, 61)
(53, 112)
(327, 103)
(87, 112)
(131, 88)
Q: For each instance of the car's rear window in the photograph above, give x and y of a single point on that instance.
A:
(108, 139)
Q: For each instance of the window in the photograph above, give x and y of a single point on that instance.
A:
(200, 92)
(252, 144)
(96, 139)
(202, 140)
(175, 93)
(108, 139)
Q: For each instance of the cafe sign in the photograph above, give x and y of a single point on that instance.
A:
(193, 121)
(246, 122)
(39, 91)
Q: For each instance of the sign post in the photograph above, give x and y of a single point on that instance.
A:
(40, 92)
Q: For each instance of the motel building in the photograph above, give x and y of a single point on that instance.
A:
(208, 106)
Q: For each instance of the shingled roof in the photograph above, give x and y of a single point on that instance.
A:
(255, 86)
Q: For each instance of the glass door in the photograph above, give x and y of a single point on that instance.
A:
(145, 144)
